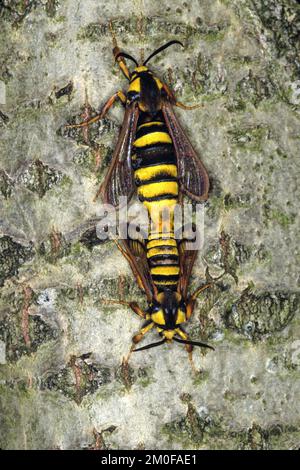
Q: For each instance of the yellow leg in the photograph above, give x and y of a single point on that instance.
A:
(200, 289)
(184, 106)
(118, 95)
(134, 306)
(188, 347)
(194, 369)
(127, 256)
(138, 337)
(126, 359)
(121, 63)
(116, 50)
(192, 300)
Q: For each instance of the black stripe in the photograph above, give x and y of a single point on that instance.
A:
(155, 260)
(161, 247)
(160, 148)
(162, 288)
(160, 197)
(159, 278)
(159, 178)
(167, 265)
(150, 129)
(154, 156)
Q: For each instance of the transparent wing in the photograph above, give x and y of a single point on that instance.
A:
(119, 181)
(192, 174)
(137, 257)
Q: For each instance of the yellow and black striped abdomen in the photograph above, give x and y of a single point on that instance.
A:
(155, 173)
(162, 254)
(154, 163)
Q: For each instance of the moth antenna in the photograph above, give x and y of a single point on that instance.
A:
(150, 346)
(162, 48)
(193, 343)
(127, 56)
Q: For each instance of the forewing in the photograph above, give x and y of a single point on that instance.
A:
(136, 251)
(119, 180)
(136, 255)
(193, 177)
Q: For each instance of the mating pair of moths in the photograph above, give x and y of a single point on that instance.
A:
(154, 157)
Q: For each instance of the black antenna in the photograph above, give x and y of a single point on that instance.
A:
(193, 343)
(149, 346)
(127, 56)
(161, 49)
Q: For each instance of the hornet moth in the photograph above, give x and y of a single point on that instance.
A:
(149, 114)
(169, 307)
(154, 158)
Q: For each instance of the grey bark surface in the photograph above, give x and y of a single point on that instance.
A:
(63, 382)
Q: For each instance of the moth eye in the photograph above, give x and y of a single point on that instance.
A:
(155, 308)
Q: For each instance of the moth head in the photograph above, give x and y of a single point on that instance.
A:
(157, 51)
(144, 87)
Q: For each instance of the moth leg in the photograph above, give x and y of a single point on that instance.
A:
(189, 312)
(136, 309)
(138, 337)
(169, 93)
(200, 289)
(121, 62)
(126, 255)
(184, 106)
(188, 347)
(192, 299)
(118, 95)
(116, 50)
